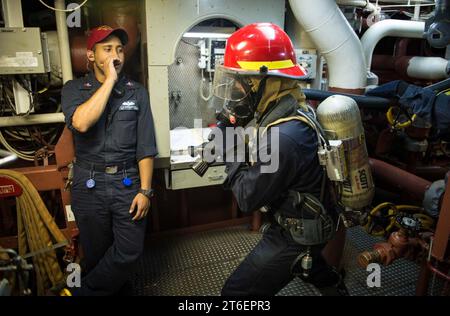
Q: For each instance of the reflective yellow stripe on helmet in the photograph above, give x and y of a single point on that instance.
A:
(271, 65)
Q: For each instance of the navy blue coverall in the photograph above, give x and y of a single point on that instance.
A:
(124, 134)
(266, 270)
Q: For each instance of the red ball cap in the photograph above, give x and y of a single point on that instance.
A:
(98, 34)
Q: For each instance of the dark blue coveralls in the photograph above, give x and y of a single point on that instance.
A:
(266, 270)
(109, 151)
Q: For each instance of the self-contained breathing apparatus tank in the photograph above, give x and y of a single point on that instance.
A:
(347, 160)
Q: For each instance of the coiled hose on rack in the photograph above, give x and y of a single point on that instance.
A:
(37, 233)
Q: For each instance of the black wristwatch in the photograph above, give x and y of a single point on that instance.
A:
(148, 193)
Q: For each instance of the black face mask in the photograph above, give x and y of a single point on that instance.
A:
(240, 113)
(236, 113)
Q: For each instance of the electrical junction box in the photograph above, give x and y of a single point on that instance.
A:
(21, 51)
(307, 58)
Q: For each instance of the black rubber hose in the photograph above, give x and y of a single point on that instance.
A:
(440, 86)
(375, 103)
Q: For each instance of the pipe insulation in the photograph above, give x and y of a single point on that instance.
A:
(398, 28)
(432, 68)
(335, 39)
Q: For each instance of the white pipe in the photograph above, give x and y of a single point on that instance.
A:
(63, 40)
(8, 121)
(398, 28)
(432, 68)
(324, 22)
(6, 157)
(353, 3)
(365, 4)
(12, 13)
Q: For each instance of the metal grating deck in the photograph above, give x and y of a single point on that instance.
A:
(199, 264)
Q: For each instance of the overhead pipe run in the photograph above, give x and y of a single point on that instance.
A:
(365, 4)
(334, 38)
(427, 68)
(416, 67)
(398, 28)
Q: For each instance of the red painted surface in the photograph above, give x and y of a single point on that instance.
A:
(9, 187)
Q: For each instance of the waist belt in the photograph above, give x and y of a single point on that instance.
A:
(308, 230)
(110, 168)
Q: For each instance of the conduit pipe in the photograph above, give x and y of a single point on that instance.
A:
(8, 121)
(63, 40)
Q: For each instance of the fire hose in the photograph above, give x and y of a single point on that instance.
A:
(37, 232)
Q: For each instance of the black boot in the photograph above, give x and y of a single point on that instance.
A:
(338, 289)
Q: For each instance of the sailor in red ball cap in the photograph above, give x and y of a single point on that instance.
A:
(113, 131)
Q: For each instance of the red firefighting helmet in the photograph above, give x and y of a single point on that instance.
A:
(262, 47)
